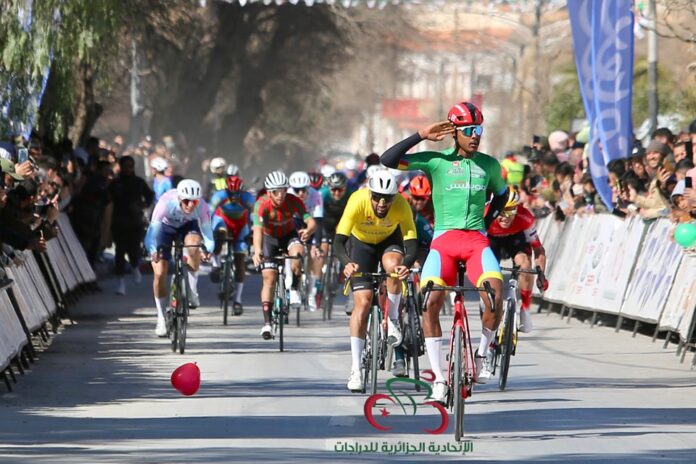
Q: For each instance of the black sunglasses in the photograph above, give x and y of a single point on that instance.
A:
(377, 197)
(300, 190)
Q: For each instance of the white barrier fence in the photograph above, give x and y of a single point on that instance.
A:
(605, 264)
(28, 301)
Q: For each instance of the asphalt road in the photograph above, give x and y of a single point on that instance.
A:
(102, 393)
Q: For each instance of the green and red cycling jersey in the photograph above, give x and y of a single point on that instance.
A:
(277, 221)
(459, 185)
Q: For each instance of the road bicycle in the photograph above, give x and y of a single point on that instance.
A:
(505, 344)
(413, 341)
(227, 283)
(462, 367)
(375, 351)
(280, 314)
(179, 291)
(329, 283)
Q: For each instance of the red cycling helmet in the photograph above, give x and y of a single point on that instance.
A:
(420, 187)
(234, 184)
(465, 114)
(316, 180)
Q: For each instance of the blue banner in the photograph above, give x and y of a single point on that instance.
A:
(603, 43)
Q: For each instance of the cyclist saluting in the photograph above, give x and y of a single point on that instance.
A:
(461, 179)
(179, 213)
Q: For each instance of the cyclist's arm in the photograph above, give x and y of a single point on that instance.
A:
(158, 214)
(319, 231)
(496, 206)
(394, 154)
(339, 247)
(206, 226)
(410, 252)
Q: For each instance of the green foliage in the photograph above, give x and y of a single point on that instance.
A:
(566, 103)
(60, 35)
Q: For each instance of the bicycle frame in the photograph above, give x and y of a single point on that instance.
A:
(281, 299)
(462, 366)
(177, 318)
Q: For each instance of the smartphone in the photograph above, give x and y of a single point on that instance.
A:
(689, 149)
(22, 155)
(688, 182)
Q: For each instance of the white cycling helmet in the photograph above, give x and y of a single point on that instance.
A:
(232, 169)
(326, 170)
(382, 182)
(159, 164)
(189, 189)
(299, 180)
(217, 165)
(276, 180)
(371, 170)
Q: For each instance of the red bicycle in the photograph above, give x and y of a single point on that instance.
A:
(462, 368)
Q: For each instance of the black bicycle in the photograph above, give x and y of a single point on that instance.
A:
(281, 301)
(329, 282)
(226, 292)
(414, 340)
(179, 291)
(506, 338)
(375, 351)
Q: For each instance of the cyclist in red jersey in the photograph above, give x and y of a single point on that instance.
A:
(514, 236)
(275, 233)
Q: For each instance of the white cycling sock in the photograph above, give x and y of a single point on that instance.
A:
(394, 300)
(486, 338)
(161, 304)
(193, 280)
(432, 345)
(238, 292)
(356, 348)
(215, 260)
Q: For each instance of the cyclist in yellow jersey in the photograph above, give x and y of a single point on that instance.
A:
(379, 224)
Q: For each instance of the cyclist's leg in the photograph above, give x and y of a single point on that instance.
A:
(192, 237)
(366, 257)
(440, 267)
(392, 252)
(163, 242)
(482, 266)
(315, 276)
(269, 274)
(523, 259)
(241, 250)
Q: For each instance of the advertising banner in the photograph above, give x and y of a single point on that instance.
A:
(679, 310)
(653, 275)
(605, 263)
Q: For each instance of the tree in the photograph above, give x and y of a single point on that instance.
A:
(566, 103)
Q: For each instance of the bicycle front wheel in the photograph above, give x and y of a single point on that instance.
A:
(376, 347)
(226, 291)
(506, 347)
(172, 320)
(458, 387)
(414, 348)
(182, 313)
(281, 322)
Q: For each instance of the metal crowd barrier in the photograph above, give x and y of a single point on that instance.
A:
(622, 267)
(35, 296)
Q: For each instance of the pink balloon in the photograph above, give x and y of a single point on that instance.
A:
(187, 379)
